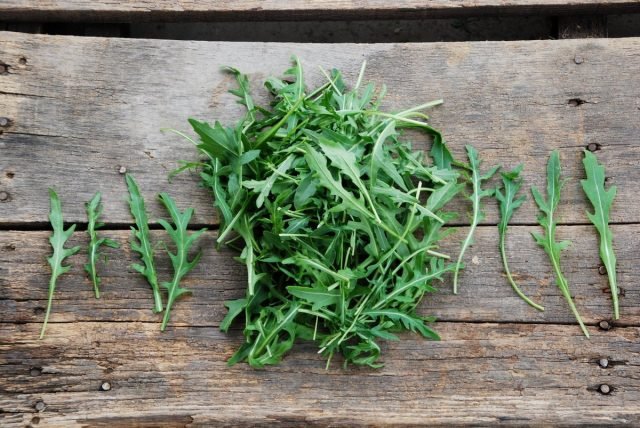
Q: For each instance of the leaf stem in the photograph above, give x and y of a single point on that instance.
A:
(511, 280)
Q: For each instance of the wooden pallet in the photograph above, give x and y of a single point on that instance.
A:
(77, 110)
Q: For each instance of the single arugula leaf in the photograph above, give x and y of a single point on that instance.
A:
(548, 222)
(141, 241)
(180, 259)
(476, 179)
(602, 200)
(94, 210)
(58, 239)
(509, 203)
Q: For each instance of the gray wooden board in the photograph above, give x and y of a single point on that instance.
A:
(174, 10)
(80, 108)
(484, 295)
(482, 374)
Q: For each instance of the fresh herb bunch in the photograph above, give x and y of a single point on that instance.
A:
(509, 203)
(94, 210)
(472, 174)
(602, 200)
(548, 222)
(58, 239)
(336, 218)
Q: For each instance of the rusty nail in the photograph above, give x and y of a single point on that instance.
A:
(592, 147)
(602, 270)
(603, 362)
(604, 325)
(35, 371)
(604, 389)
(106, 386)
(578, 59)
(4, 121)
(40, 406)
(4, 196)
(122, 170)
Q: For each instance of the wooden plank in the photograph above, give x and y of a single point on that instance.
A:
(484, 295)
(480, 374)
(75, 99)
(173, 10)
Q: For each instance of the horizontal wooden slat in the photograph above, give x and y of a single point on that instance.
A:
(484, 293)
(479, 374)
(80, 108)
(168, 10)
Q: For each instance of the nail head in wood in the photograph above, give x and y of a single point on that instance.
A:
(604, 389)
(35, 371)
(604, 325)
(604, 363)
(578, 59)
(106, 386)
(4, 121)
(592, 147)
(602, 270)
(40, 406)
(4, 196)
(122, 170)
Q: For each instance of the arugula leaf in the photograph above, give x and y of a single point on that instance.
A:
(58, 239)
(141, 241)
(180, 259)
(94, 210)
(509, 203)
(337, 220)
(602, 200)
(548, 222)
(478, 193)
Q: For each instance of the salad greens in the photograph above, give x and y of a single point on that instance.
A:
(336, 218)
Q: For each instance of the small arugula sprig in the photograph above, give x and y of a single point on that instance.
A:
(58, 239)
(141, 241)
(94, 210)
(179, 260)
(602, 200)
(475, 178)
(509, 203)
(548, 222)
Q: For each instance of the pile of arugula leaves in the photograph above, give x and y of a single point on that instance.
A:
(336, 218)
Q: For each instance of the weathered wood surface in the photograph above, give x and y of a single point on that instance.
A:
(480, 374)
(484, 294)
(167, 10)
(78, 109)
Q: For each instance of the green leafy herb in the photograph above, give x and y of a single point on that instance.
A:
(602, 200)
(509, 203)
(58, 239)
(475, 178)
(179, 260)
(335, 217)
(548, 222)
(94, 209)
(141, 241)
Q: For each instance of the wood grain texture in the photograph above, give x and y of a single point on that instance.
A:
(479, 374)
(180, 10)
(80, 108)
(484, 295)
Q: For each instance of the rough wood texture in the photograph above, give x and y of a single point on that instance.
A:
(480, 375)
(167, 10)
(484, 292)
(72, 99)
